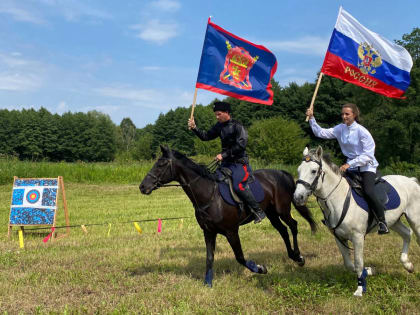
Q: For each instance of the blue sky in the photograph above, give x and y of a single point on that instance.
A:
(139, 58)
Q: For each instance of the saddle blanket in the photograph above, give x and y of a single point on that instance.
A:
(389, 197)
(255, 187)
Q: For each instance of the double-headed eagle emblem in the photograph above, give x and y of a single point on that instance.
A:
(369, 59)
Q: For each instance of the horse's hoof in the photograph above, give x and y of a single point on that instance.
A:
(359, 291)
(370, 271)
(409, 267)
(262, 269)
(301, 261)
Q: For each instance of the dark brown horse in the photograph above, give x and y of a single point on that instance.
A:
(215, 216)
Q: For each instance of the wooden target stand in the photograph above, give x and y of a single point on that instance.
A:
(34, 202)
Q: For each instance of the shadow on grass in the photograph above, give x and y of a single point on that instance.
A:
(196, 265)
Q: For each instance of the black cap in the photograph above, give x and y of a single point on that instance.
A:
(222, 107)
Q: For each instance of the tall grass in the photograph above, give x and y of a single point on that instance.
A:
(79, 172)
(130, 172)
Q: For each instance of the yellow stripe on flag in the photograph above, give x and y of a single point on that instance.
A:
(138, 228)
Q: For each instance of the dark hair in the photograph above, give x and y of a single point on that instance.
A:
(222, 107)
(354, 109)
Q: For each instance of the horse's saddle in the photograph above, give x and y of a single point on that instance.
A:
(224, 178)
(384, 191)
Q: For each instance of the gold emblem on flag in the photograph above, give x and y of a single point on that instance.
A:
(238, 64)
(369, 58)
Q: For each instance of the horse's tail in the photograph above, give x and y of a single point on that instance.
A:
(306, 213)
(303, 210)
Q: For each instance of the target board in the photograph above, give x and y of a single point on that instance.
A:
(35, 202)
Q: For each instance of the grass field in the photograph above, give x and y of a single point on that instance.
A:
(163, 272)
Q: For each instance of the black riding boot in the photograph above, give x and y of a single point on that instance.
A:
(380, 216)
(248, 198)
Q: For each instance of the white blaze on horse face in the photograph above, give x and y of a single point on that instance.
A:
(307, 172)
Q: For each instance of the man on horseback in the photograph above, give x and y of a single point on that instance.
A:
(233, 156)
(358, 146)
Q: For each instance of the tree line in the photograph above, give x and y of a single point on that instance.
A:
(277, 133)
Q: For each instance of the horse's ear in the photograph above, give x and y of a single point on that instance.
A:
(319, 152)
(306, 151)
(164, 149)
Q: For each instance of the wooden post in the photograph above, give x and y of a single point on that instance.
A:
(315, 93)
(9, 227)
(193, 104)
(66, 212)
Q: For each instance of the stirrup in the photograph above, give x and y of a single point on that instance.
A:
(259, 216)
(382, 228)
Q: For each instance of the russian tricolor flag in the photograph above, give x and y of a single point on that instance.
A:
(362, 57)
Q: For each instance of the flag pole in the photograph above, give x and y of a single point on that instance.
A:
(315, 93)
(193, 104)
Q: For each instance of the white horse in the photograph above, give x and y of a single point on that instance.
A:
(319, 176)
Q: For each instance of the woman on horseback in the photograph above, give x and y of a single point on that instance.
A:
(358, 146)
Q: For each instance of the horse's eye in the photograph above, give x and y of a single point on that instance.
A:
(313, 171)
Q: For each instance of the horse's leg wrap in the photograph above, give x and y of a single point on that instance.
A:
(251, 265)
(209, 278)
(361, 283)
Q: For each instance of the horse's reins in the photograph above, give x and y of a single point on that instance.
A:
(312, 187)
(169, 165)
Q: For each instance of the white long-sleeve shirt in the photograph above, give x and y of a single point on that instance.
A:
(355, 141)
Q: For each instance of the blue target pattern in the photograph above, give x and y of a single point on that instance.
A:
(17, 198)
(36, 182)
(49, 197)
(29, 216)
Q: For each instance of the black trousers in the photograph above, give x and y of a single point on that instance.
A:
(368, 185)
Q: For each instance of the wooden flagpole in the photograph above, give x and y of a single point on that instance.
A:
(315, 93)
(193, 104)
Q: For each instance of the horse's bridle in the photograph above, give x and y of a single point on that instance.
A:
(312, 187)
(160, 184)
(158, 179)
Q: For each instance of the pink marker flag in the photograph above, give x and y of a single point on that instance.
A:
(159, 225)
(49, 235)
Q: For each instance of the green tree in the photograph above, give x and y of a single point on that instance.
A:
(128, 133)
(276, 140)
(143, 147)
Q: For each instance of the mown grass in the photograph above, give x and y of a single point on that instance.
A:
(163, 273)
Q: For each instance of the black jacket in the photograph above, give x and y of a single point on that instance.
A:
(234, 139)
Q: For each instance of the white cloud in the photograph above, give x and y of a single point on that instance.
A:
(146, 95)
(71, 10)
(309, 45)
(20, 74)
(148, 98)
(166, 5)
(75, 10)
(152, 68)
(156, 31)
(19, 82)
(19, 13)
(62, 108)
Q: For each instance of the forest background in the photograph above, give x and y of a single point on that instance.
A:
(277, 133)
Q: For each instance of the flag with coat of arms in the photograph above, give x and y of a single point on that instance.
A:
(235, 67)
(362, 57)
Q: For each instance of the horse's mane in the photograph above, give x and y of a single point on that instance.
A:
(327, 160)
(200, 169)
